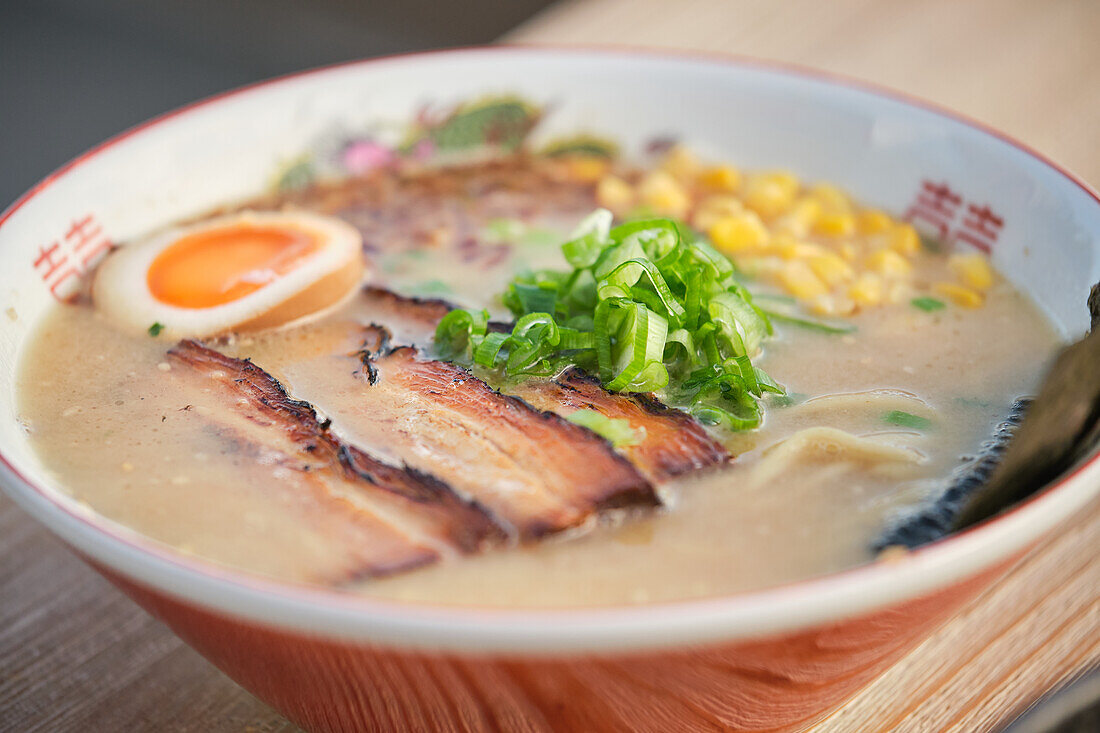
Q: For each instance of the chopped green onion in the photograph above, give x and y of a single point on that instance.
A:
(927, 304)
(459, 329)
(810, 323)
(508, 230)
(647, 305)
(907, 420)
(156, 328)
(516, 231)
(535, 297)
(485, 354)
(931, 244)
(788, 399)
(788, 300)
(583, 144)
(431, 288)
(616, 431)
(740, 323)
(620, 281)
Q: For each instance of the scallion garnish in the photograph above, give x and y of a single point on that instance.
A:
(517, 231)
(617, 431)
(927, 304)
(907, 420)
(811, 323)
(647, 305)
(784, 309)
(156, 328)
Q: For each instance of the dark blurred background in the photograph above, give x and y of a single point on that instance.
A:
(73, 72)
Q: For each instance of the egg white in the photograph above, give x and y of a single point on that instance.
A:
(318, 282)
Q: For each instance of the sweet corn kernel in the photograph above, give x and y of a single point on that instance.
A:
(905, 240)
(586, 168)
(831, 268)
(889, 263)
(959, 295)
(713, 208)
(835, 224)
(843, 305)
(899, 291)
(791, 248)
(801, 217)
(681, 164)
(770, 194)
(832, 305)
(848, 251)
(800, 281)
(742, 232)
(662, 193)
(873, 221)
(973, 269)
(614, 193)
(784, 179)
(720, 178)
(831, 198)
(784, 244)
(866, 290)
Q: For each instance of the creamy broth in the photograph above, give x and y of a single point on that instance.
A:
(120, 437)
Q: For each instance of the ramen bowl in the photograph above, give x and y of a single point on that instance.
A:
(774, 659)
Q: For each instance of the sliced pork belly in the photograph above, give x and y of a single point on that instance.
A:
(668, 442)
(390, 518)
(539, 472)
(534, 470)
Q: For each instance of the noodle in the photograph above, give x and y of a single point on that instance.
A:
(878, 400)
(829, 443)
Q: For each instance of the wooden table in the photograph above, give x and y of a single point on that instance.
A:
(77, 655)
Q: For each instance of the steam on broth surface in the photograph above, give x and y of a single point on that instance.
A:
(873, 421)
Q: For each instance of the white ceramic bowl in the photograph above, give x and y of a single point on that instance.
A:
(878, 145)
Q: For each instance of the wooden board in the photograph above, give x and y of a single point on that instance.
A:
(77, 655)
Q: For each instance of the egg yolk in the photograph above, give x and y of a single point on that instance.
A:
(218, 266)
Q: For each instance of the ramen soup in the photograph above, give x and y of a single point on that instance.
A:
(742, 390)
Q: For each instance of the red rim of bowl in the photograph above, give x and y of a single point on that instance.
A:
(563, 629)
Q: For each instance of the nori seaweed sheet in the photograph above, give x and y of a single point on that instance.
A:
(1063, 429)
(932, 520)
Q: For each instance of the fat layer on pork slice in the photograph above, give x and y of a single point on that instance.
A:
(389, 518)
(410, 319)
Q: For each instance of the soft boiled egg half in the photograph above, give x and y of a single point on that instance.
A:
(242, 272)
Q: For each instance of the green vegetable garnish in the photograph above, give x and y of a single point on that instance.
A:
(155, 329)
(787, 300)
(788, 399)
(617, 431)
(431, 287)
(907, 420)
(582, 145)
(515, 231)
(785, 308)
(927, 304)
(647, 305)
(810, 323)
